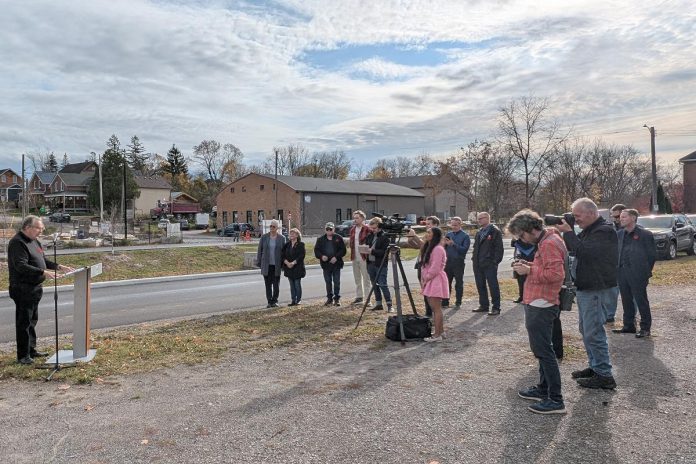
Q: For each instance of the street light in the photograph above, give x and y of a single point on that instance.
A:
(655, 208)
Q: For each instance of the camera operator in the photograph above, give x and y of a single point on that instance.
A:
(596, 257)
(414, 241)
(377, 268)
(544, 277)
(524, 251)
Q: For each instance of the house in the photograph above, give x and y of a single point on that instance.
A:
(445, 195)
(68, 192)
(689, 163)
(10, 185)
(310, 202)
(154, 190)
(86, 167)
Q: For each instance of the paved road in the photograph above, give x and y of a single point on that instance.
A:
(142, 301)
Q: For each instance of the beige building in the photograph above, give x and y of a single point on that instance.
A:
(154, 191)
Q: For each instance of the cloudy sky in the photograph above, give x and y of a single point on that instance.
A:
(375, 78)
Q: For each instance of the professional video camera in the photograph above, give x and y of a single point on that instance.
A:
(393, 225)
(551, 220)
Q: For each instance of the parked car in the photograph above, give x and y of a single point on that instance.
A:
(235, 229)
(59, 217)
(162, 224)
(672, 233)
(343, 229)
(184, 225)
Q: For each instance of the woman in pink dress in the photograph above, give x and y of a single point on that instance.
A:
(434, 282)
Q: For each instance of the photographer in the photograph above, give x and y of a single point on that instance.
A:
(377, 243)
(596, 258)
(544, 277)
(524, 251)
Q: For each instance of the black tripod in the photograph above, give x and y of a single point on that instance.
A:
(393, 254)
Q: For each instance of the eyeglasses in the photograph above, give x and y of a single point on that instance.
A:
(329, 228)
(616, 217)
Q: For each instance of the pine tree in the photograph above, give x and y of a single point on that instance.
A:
(112, 163)
(176, 163)
(137, 158)
(65, 162)
(51, 163)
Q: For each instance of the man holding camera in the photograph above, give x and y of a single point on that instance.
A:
(544, 277)
(456, 245)
(636, 260)
(376, 245)
(596, 257)
(488, 253)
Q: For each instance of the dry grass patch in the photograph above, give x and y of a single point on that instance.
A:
(679, 271)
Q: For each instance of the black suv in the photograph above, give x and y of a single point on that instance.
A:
(59, 217)
(672, 233)
(236, 229)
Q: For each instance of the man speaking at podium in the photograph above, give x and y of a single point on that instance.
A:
(28, 269)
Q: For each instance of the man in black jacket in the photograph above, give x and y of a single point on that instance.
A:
(488, 253)
(330, 250)
(595, 251)
(377, 267)
(28, 269)
(636, 260)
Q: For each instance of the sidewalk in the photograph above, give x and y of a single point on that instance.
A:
(453, 402)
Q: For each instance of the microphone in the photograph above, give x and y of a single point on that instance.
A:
(55, 237)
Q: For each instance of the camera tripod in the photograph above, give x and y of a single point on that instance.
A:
(393, 254)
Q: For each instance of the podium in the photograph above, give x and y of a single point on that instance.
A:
(81, 351)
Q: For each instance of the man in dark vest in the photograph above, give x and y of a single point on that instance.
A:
(488, 253)
(636, 260)
(330, 249)
(28, 269)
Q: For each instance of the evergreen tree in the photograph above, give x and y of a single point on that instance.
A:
(51, 163)
(112, 163)
(65, 162)
(176, 163)
(137, 158)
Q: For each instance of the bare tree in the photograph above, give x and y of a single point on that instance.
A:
(207, 154)
(290, 159)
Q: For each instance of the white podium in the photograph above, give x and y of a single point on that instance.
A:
(81, 351)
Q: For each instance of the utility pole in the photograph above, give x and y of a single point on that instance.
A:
(101, 193)
(655, 207)
(275, 186)
(24, 190)
(125, 204)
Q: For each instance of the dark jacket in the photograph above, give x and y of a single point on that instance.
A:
(294, 253)
(263, 253)
(381, 244)
(339, 248)
(596, 255)
(488, 248)
(636, 253)
(26, 261)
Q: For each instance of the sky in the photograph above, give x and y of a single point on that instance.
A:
(373, 78)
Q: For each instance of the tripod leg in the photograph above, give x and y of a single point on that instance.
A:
(408, 288)
(372, 289)
(397, 296)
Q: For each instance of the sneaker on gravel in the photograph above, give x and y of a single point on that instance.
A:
(548, 406)
(582, 374)
(357, 301)
(598, 381)
(533, 393)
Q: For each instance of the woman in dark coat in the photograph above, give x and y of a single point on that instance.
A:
(293, 256)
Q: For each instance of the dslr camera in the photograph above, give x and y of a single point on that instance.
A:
(551, 220)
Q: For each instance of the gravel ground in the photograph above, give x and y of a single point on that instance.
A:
(453, 402)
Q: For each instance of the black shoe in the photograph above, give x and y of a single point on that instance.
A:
(377, 307)
(445, 303)
(494, 312)
(519, 300)
(275, 305)
(328, 302)
(26, 360)
(624, 330)
(337, 302)
(357, 301)
(533, 393)
(598, 381)
(480, 309)
(269, 305)
(292, 304)
(39, 354)
(610, 320)
(583, 374)
(298, 302)
(643, 333)
(548, 406)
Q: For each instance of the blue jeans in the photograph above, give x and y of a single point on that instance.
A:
(611, 302)
(540, 326)
(379, 281)
(333, 275)
(487, 275)
(592, 317)
(295, 289)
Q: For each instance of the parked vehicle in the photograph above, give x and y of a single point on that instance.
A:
(59, 217)
(672, 233)
(343, 229)
(235, 229)
(202, 220)
(162, 224)
(184, 225)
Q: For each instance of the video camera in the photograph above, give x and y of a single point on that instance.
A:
(551, 220)
(393, 225)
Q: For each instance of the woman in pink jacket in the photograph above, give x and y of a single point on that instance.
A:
(434, 284)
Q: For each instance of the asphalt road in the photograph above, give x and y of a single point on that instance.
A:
(135, 302)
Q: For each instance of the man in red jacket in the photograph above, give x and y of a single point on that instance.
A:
(358, 234)
(545, 276)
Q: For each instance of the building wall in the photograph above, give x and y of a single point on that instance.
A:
(248, 196)
(690, 187)
(148, 200)
(450, 203)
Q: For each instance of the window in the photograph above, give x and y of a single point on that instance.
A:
(273, 186)
(339, 219)
(248, 215)
(260, 215)
(349, 213)
(4, 178)
(14, 179)
(243, 188)
(231, 189)
(224, 218)
(234, 216)
(261, 187)
(280, 215)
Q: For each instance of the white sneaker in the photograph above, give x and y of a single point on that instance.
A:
(433, 339)
(390, 309)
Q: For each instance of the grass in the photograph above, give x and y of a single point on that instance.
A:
(679, 271)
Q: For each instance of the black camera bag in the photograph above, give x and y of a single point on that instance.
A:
(415, 327)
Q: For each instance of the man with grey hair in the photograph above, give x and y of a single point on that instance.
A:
(596, 257)
(28, 268)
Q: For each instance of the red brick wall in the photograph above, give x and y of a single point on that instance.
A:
(248, 195)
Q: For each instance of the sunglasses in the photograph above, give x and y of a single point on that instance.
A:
(329, 228)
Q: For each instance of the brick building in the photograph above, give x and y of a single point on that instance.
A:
(689, 163)
(311, 202)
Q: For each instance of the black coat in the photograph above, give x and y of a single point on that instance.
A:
(293, 253)
(381, 244)
(488, 248)
(639, 253)
(339, 247)
(26, 261)
(596, 255)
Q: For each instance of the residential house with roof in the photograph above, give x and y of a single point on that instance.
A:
(154, 190)
(10, 185)
(310, 202)
(39, 185)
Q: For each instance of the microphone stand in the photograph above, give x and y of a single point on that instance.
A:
(56, 367)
